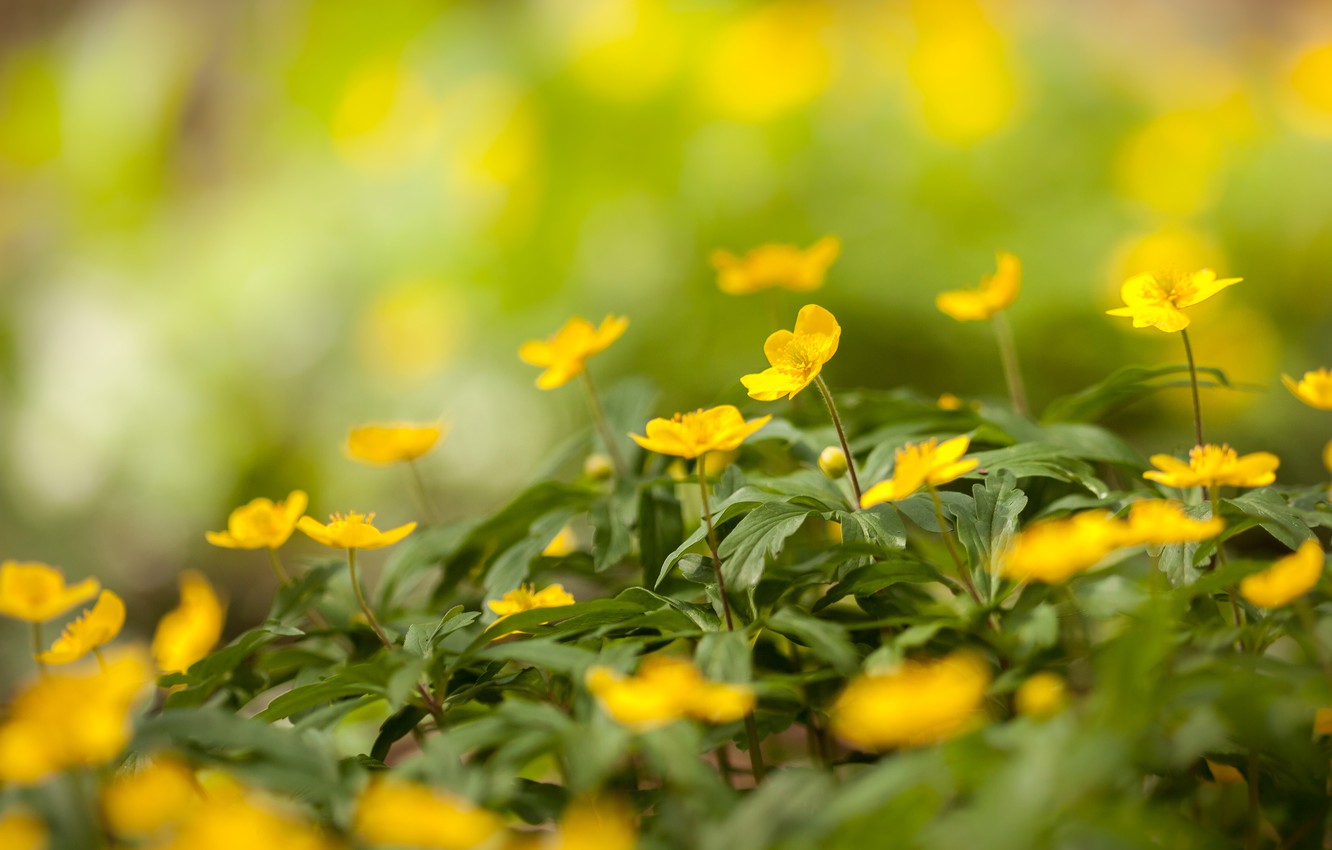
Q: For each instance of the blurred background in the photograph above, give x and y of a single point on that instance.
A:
(231, 230)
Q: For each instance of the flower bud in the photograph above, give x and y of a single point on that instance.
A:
(832, 461)
(598, 467)
(1042, 695)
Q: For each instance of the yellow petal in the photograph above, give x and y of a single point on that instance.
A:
(1203, 285)
(813, 319)
(774, 347)
(964, 305)
(1142, 290)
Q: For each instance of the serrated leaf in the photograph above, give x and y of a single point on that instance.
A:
(759, 535)
(1274, 515)
(725, 657)
(1042, 460)
(879, 527)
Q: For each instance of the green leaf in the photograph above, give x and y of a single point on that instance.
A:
(760, 534)
(739, 502)
(422, 638)
(1124, 387)
(1273, 514)
(1041, 460)
(988, 528)
(369, 678)
(828, 640)
(877, 576)
(548, 654)
(660, 530)
(611, 541)
(725, 657)
(879, 527)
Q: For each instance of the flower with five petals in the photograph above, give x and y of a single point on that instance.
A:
(688, 435)
(97, 627)
(796, 357)
(261, 524)
(36, 592)
(397, 442)
(1212, 465)
(919, 464)
(564, 354)
(353, 531)
(1157, 300)
(1314, 389)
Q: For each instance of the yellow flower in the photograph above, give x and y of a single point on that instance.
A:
(1287, 580)
(562, 544)
(36, 592)
(225, 821)
(261, 524)
(1323, 722)
(564, 355)
(1162, 521)
(397, 442)
(796, 356)
(69, 720)
(395, 812)
(996, 292)
(97, 627)
(594, 824)
(688, 435)
(920, 703)
(144, 802)
(20, 830)
(354, 531)
(1042, 695)
(667, 689)
(1212, 465)
(527, 598)
(1314, 389)
(769, 266)
(1327, 456)
(1053, 550)
(188, 632)
(918, 464)
(1156, 300)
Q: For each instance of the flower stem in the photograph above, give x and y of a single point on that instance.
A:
(360, 599)
(952, 547)
(603, 425)
(422, 495)
(37, 647)
(283, 577)
(1003, 334)
(1193, 382)
(1214, 496)
(841, 436)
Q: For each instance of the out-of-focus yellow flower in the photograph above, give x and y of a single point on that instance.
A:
(1042, 695)
(594, 824)
(73, 719)
(832, 462)
(564, 355)
(1163, 521)
(1212, 465)
(410, 814)
(20, 830)
(228, 820)
(920, 703)
(796, 357)
(564, 543)
(918, 464)
(688, 435)
(1327, 456)
(771, 59)
(398, 442)
(411, 331)
(996, 292)
(623, 51)
(1322, 724)
(961, 71)
(188, 632)
(1053, 550)
(1287, 580)
(353, 531)
(97, 627)
(665, 690)
(1173, 162)
(948, 401)
(527, 598)
(36, 592)
(1314, 389)
(1224, 774)
(261, 524)
(769, 266)
(1157, 300)
(144, 802)
(386, 119)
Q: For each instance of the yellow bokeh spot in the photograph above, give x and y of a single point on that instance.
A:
(491, 139)
(770, 60)
(961, 71)
(623, 49)
(387, 118)
(1311, 78)
(411, 332)
(1172, 164)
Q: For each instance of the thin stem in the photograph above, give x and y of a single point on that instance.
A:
(1214, 496)
(841, 436)
(360, 599)
(283, 577)
(422, 494)
(603, 425)
(756, 765)
(1003, 334)
(37, 644)
(952, 547)
(1193, 382)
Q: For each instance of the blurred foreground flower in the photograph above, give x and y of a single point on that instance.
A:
(1053, 550)
(665, 690)
(1286, 580)
(235, 818)
(564, 354)
(410, 814)
(594, 824)
(261, 524)
(769, 266)
(1212, 465)
(915, 465)
(143, 802)
(399, 442)
(689, 435)
(36, 592)
(1314, 389)
(20, 830)
(920, 703)
(97, 627)
(1043, 694)
(996, 292)
(353, 531)
(796, 356)
(1157, 300)
(1163, 521)
(190, 631)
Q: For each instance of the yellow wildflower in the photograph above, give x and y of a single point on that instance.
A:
(398, 442)
(144, 802)
(353, 531)
(1163, 521)
(1286, 580)
(768, 266)
(69, 720)
(20, 830)
(1323, 722)
(562, 544)
(796, 357)
(996, 292)
(260, 524)
(920, 703)
(1042, 695)
(564, 355)
(1314, 389)
(948, 401)
(97, 627)
(688, 435)
(918, 464)
(1053, 550)
(1212, 465)
(667, 689)
(36, 592)
(188, 632)
(594, 824)
(527, 598)
(832, 462)
(1224, 774)
(1327, 456)
(395, 812)
(226, 821)
(1157, 300)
